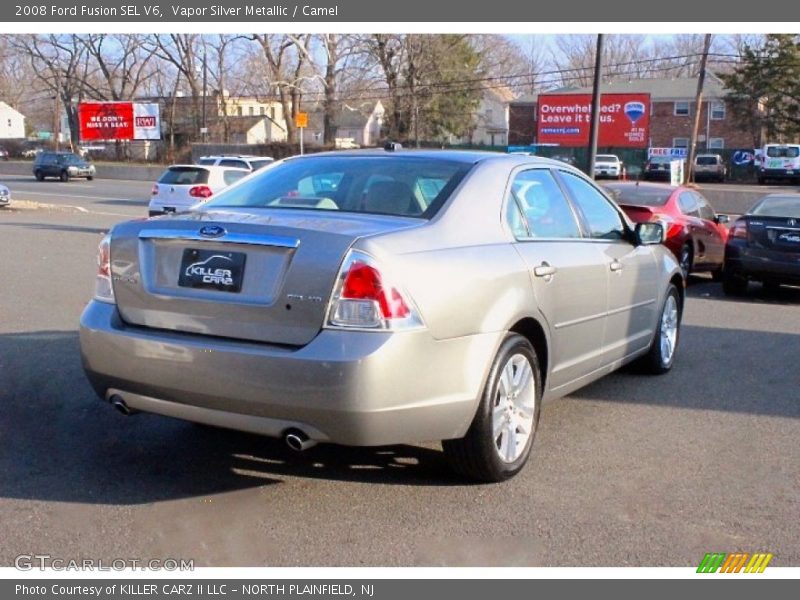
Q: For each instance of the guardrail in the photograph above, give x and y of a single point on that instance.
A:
(104, 170)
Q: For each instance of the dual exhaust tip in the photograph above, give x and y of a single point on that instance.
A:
(296, 439)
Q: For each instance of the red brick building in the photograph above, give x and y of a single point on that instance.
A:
(671, 116)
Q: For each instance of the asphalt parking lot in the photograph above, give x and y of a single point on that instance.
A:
(630, 471)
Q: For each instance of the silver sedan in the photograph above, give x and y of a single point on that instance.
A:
(5, 196)
(382, 297)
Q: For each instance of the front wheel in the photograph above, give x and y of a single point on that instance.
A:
(39, 175)
(89, 177)
(499, 440)
(661, 356)
(64, 176)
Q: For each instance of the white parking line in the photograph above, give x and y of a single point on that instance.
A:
(80, 196)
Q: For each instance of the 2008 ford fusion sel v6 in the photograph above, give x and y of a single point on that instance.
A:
(382, 297)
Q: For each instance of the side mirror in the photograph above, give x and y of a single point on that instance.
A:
(722, 219)
(649, 233)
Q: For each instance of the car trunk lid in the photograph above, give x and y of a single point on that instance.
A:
(774, 233)
(262, 275)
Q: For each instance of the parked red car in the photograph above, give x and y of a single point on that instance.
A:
(693, 231)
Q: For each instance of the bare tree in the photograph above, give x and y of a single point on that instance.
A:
(185, 52)
(61, 64)
(286, 59)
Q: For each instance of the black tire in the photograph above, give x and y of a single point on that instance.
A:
(476, 455)
(770, 287)
(64, 176)
(39, 175)
(655, 362)
(733, 284)
(686, 260)
(90, 177)
(761, 181)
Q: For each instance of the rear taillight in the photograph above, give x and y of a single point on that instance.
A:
(365, 297)
(154, 191)
(103, 291)
(200, 191)
(738, 230)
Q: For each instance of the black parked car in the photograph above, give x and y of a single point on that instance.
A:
(64, 165)
(764, 245)
(657, 168)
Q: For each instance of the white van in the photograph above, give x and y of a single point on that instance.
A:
(779, 161)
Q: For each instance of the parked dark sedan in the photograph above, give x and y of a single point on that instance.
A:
(764, 245)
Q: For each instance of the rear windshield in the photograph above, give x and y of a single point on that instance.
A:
(660, 160)
(606, 158)
(778, 206)
(184, 176)
(707, 160)
(390, 185)
(783, 151)
(641, 195)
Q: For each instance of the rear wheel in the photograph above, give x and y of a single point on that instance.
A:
(499, 440)
(90, 177)
(661, 356)
(64, 176)
(733, 284)
(39, 175)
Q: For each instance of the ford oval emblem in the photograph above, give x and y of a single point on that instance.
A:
(212, 231)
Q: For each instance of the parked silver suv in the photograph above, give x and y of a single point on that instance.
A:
(240, 161)
(710, 167)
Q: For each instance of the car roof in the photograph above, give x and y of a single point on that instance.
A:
(622, 185)
(242, 156)
(212, 168)
(462, 156)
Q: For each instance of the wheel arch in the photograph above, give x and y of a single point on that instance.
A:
(532, 330)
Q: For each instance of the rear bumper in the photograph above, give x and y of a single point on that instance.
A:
(778, 174)
(762, 264)
(355, 388)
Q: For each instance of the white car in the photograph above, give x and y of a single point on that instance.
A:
(183, 186)
(242, 161)
(608, 165)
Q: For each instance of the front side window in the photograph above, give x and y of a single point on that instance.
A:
(545, 211)
(601, 217)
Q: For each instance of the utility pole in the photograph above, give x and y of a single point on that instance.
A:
(594, 126)
(204, 128)
(701, 78)
(57, 111)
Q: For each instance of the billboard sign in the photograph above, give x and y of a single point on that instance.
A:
(564, 119)
(112, 121)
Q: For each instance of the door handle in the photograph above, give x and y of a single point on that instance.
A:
(544, 270)
(615, 266)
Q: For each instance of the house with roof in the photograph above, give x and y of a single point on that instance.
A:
(358, 125)
(672, 109)
(12, 123)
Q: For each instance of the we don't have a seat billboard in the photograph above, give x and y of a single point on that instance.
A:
(564, 119)
(112, 121)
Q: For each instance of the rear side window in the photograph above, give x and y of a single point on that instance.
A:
(688, 204)
(184, 176)
(259, 164)
(230, 176)
(229, 162)
(545, 211)
(602, 218)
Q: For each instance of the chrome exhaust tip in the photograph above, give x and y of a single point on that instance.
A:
(298, 441)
